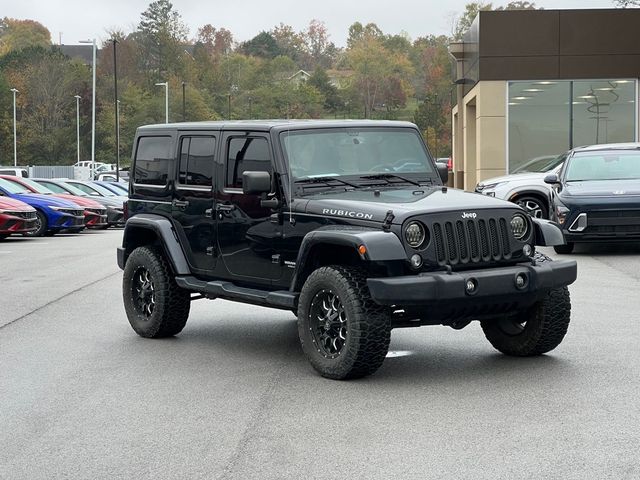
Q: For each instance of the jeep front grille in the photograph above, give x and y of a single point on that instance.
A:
(471, 241)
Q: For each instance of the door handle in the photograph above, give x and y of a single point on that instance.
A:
(180, 203)
(225, 207)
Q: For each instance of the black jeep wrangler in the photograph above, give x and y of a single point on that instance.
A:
(345, 223)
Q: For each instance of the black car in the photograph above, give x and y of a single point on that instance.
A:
(596, 195)
(345, 223)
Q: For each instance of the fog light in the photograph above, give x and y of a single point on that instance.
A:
(471, 286)
(521, 281)
(416, 261)
(527, 250)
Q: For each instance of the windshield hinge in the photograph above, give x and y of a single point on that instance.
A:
(388, 220)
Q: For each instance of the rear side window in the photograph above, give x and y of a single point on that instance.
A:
(196, 161)
(153, 161)
(246, 154)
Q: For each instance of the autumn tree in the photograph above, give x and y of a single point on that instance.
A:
(381, 77)
(321, 81)
(20, 34)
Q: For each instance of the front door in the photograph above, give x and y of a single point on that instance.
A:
(193, 201)
(248, 233)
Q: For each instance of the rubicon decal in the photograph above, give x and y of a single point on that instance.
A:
(346, 213)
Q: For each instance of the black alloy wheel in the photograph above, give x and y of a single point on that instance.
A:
(143, 292)
(328, 320)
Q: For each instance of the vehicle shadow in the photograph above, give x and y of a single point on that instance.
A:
(274, 339)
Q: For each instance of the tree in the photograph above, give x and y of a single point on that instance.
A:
(162, 33)
(626, 3)
(381, 77)
(262, 45)
(20, 34)
(290, 43)
(462, 22)
(320, 80)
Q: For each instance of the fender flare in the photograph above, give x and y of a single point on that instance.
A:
(547, 233)
(380, 246)
(165, 232)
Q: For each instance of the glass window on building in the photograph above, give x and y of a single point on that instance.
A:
(547, 118)
(603, 112)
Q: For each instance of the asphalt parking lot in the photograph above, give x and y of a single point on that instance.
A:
(81, 396)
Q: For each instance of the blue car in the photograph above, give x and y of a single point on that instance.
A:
(116, 187)
(53, 214)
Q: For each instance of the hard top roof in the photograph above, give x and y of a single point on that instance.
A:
(608, 146)
(267, 125)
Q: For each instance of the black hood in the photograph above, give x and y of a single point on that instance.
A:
(373, 205)
(601, 188)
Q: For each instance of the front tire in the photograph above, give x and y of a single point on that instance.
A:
(564, 249)
(41, 226)
(343, 332)
(537, 330)
(156, 307)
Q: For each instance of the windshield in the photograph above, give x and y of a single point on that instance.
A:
(37, 187)
(541, 164)
(351, 151)
(604, 165)
(13, 187)
(94, 190)
(54, 187)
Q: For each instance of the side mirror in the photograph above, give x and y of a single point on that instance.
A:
(443, 171)
(552, 179)
(256, 183)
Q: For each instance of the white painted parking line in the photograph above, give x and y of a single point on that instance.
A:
(6, 252)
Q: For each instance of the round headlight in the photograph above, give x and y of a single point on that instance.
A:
(414, 234)
(519, 226)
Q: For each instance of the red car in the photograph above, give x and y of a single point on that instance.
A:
(95, 215)
(16, 217)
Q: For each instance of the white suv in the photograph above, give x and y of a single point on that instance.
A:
(526, 188)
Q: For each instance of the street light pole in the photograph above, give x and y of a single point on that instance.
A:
(116, 104)
(166, 99)
(93, 105)
(15, 142)
(78, 97)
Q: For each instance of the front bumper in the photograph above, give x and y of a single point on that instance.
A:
(17, 223)
(494, 287)
(115, 217)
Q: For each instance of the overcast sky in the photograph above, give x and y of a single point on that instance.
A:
(82, 19)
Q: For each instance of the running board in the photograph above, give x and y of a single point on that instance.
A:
(228, 290)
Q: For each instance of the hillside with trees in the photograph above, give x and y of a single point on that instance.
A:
(280, 73)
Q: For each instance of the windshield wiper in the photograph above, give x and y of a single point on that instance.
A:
(387, 176)
(326, 180)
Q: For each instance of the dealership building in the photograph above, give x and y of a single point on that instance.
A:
(532, 84)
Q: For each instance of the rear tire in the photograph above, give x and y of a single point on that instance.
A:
(535, 331)
(156, 307)
(564, 249)
(343, 332)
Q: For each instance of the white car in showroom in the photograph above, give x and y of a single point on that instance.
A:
(525, 186)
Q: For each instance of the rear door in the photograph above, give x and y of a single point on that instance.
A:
(193, 201)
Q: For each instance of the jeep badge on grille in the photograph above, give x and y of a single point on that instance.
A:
(469, 215)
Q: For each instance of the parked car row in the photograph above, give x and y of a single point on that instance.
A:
(39, 207)
(592, 192)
